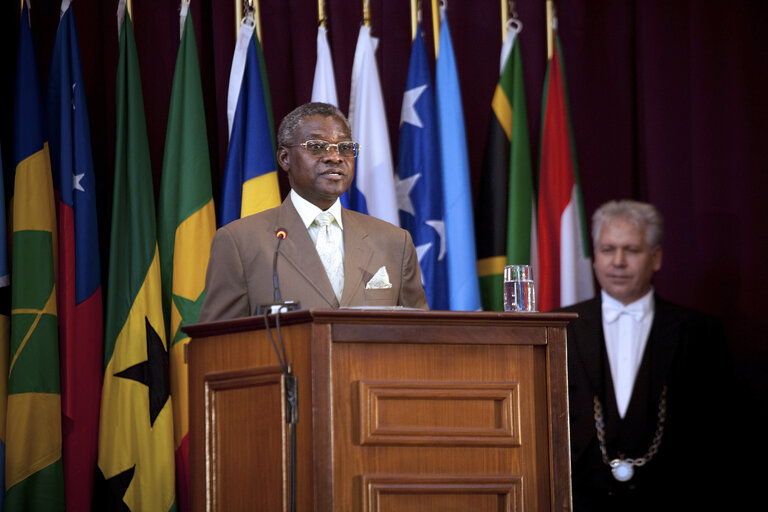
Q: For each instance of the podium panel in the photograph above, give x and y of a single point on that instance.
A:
(397, 410)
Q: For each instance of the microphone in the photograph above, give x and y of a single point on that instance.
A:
(277, 305)
(281, 235)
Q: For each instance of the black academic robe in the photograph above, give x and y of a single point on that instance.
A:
(687, 353)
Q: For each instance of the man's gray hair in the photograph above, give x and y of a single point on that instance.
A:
(291, 121)
(642, 215)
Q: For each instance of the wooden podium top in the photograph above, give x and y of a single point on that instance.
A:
(392, 316)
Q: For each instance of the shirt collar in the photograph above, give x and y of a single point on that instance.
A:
(643, 304)
(308, 211)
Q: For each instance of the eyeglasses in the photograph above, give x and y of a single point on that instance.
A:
(321, 147)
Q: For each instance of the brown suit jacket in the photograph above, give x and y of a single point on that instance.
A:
(239, 276)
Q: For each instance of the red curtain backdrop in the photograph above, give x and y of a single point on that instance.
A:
(667, 100)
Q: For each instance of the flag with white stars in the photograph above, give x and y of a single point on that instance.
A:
(418, 181)
(79, 280)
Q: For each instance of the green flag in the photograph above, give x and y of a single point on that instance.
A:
(34, 478)
(505, 208)
(136, 429)
(187, 223)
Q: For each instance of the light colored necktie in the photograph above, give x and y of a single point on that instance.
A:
(612, 311)
(328, 244)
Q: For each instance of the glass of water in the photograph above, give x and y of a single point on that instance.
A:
(519, 291)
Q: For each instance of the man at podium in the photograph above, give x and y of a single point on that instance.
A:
(310, 249)
(647, 380)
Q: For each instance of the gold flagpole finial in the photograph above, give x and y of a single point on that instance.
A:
(321, 12)
(367, 13)
(551, 26)
(414, 18)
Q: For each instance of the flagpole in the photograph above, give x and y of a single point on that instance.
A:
(550, 27)
(436, 25)
(129, 8)
(238, 16)
(505, 17)
(367, 13)
(414, 19)
(257, 19)
(321, 12)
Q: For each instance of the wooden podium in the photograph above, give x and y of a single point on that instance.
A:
(399, 410)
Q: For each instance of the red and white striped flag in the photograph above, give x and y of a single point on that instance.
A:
(564, 260)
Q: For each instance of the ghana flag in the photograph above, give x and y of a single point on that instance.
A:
(187, 223)
(34, 475)
(136, 459)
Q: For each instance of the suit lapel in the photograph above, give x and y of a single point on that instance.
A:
(662, 344)
(299, 251)
(357, 255)
(590, 340)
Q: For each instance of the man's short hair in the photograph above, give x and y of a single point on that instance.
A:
(642, 215)
(291, 121)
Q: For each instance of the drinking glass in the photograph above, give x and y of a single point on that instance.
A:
(519, 291)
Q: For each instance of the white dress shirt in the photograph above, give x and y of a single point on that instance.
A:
(308, 213)
(626, 330)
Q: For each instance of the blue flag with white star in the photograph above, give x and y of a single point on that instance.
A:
(419, 183)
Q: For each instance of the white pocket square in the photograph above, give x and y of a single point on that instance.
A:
(379, 281)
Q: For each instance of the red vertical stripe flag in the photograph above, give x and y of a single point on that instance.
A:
(79, 284)
(564, 260)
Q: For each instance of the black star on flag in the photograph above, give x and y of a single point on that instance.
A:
(153, 373)
(109, 492)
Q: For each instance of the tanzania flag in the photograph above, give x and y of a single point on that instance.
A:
(505, 221)
(250, 174)
(187, 223)
(34, 476)
(136, 429)
(79, 284)
(565, 269)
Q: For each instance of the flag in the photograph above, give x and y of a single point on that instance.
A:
(373, 189)
(186, 226)
(79, 282)
(506, 220)
(237, 68)
(5, 328)
(33, 473)
(459, 226)
(136, 456)
(419, 183)
(564, 260)
(250, 182)
(324, 83)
